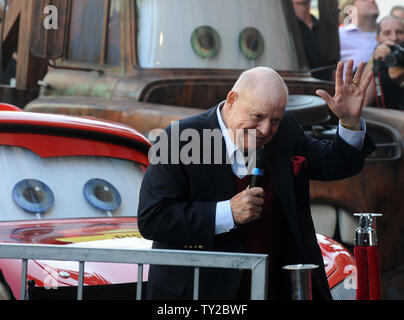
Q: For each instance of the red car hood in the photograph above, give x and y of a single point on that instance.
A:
(338, 261)
(69, 231)
(94, 232)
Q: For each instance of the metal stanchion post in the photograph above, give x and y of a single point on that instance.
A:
(367, 258)
(301, 280)
(366, 232)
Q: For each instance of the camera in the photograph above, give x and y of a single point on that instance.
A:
(396, 57)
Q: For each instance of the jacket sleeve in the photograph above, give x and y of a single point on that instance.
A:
(333, 159)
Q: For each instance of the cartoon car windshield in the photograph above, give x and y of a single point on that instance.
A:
(66, 187)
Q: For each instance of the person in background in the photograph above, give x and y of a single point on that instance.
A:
(358, 32)
(389, 80)
(398, 11)
(310, 33)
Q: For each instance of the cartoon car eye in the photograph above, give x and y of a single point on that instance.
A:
(205, 42)
(251, 43)
(33, 196)
(102, 195)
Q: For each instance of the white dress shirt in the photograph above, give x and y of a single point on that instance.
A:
(224, 216)
(356, 44)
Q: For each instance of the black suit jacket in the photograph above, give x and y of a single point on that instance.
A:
(177, 206)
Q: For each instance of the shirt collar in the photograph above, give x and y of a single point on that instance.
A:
(315, 21)
(231, 147)
(351, 27)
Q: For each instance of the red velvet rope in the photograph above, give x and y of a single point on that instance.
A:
(368, 273)
(374, 273)
(362, 289)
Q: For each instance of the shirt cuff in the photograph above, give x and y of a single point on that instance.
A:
(224, 217)
(355, 139)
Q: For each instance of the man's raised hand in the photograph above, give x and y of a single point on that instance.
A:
(349, 98)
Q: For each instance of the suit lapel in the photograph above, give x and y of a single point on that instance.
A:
(282, 178)
(222, 175)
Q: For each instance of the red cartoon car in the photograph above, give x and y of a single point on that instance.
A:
(75, 181)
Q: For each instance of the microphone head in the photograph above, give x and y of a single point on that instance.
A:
(257, 175)
(260, 158)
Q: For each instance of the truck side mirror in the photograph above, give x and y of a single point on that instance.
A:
(49, 27)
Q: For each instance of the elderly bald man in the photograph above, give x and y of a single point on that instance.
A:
(208, 205)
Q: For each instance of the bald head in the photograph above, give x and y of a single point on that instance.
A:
(262, 81)
(257, 101)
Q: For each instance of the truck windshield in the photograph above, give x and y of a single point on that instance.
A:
(214, 34)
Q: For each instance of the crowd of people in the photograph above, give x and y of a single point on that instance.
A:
(363, 37)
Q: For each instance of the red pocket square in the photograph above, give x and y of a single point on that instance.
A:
(298, 163)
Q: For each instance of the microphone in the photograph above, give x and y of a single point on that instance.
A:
(257, 175)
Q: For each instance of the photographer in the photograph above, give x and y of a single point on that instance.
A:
(387, 64)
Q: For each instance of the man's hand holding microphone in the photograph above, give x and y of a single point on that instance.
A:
(247, 205)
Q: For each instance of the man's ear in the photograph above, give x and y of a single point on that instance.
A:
(231, 98)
